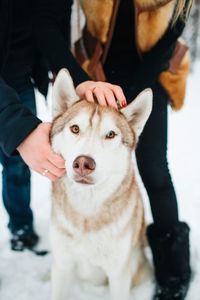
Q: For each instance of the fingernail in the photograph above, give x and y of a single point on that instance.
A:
(124, 103)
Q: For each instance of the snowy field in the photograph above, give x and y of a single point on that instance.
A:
(25, 276)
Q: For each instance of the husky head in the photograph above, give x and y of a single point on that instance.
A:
(96, 142)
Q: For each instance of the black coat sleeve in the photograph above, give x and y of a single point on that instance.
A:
(16, 122)
(51, 29)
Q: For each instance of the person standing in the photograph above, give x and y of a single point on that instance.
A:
(24, 139)
(18, 119)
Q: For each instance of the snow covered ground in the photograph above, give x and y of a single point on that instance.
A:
(25, 276)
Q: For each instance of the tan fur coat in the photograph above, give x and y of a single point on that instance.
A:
(153, 14)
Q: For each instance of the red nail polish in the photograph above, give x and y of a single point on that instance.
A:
(124, 103)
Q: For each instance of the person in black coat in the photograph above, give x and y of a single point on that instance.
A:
(18, 121)
(34, 38)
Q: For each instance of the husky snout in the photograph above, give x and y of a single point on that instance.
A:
(83, 166)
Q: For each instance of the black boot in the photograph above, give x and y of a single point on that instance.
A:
(24, 238)
(171, 258)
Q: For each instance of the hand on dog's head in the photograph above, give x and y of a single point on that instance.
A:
(136, 113)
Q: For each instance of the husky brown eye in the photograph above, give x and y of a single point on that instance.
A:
(74, 129)
(110, 135)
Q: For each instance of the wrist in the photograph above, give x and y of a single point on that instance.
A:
(20, 146)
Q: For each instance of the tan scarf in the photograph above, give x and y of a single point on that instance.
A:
(153, 18)
(152, 14)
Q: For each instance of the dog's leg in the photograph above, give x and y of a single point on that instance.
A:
(91, 273)
(144, 270)
(120, 284)
(62, 279)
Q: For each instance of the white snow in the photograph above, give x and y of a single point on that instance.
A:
(25, 276)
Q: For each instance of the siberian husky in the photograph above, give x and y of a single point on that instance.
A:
(97, 211)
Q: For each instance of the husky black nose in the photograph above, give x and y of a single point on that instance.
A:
(84, 165)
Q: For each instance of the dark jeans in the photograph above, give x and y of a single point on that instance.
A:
(16, 174)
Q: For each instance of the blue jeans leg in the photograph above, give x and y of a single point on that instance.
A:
(16, 175)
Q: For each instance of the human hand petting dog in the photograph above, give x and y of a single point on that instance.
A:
(36, 150)
(103, 92)
(37, 153)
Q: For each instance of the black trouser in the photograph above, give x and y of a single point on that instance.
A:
(151, 156)
(152, 162)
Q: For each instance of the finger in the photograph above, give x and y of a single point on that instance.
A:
(46, 126)
(47, 175)
(51, 177)
(56, 159)
(89, 96)
(119, 94)
(100, 96)
(54, 170)
(110, 99)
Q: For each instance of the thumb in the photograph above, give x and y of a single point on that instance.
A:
(47, 126)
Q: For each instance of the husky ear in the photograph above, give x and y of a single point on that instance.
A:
(138, 111)
(64, 94)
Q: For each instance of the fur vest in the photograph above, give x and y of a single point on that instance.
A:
(154, 14)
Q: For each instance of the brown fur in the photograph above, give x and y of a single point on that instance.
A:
(151, 26)
(60, 121)
(124, 207)
(109, 212)
(156, 22)
(121, 200)
(175, 83)
(98, 14)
